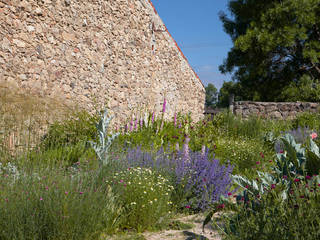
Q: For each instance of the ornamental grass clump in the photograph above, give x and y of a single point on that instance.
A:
(145, 196)
(48, 203)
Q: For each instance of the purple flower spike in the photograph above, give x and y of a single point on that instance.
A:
(180, 125)
(141, 122)
(152, 118)
(164, 106)
(131, 125)
(135, 124)
(175, 119)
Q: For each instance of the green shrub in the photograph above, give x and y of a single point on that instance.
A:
(145, 196)
(63, 156)
(246, 155)
(307, 119)
(269, 217)
(55, 204)
(79, 127)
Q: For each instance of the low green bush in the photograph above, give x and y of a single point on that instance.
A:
(269, 217)
(245, 155)
(279, 204)
(145, 197)
(55, 204)
(307, 119)
(81, 126)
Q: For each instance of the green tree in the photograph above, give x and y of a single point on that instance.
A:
(235, 88)
(276, 43)
(211, 95)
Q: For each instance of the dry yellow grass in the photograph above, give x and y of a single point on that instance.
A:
(24, 116)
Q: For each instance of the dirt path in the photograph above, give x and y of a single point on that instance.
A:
(194, 233)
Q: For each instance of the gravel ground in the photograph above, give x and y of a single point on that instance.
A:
(190, 234)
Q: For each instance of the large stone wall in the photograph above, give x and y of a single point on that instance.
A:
(87, 51)
(277, 110)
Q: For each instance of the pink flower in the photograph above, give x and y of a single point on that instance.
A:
(164, 106)
(80, 193)
(188, 206)
(229, 193)
(296, 180)
(313, 135)
(261, 154)
(257, 162)
(246, 186)
(124, 185)
(136, 124)
(152, 120)
(308, 177)
(41, 199)
(221, 206)
(285, 177)
(121, 181)
(66, 193)
(273, 186)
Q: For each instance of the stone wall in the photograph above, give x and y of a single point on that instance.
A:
(90, 51)
(277, 110)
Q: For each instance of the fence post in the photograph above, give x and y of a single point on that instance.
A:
(231, 103)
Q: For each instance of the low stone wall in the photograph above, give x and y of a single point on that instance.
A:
(276, 110)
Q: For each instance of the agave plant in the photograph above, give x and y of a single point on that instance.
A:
(102, 148)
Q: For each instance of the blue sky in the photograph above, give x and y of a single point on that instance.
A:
(198, 31)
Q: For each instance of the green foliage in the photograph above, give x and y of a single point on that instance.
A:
(278, 197)
(246, 155)
(269, 217)
(228, 88)
(102, 148)
(46, 203)
(211, 95)
(79, 127)
(201, 133)
(63, 156)
(145, 196)
(275, 44)
(306, 89)
(306, 119)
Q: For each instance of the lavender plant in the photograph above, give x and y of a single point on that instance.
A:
(102, 148)
(202, 179)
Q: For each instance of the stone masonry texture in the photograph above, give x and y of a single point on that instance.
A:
(275, 110)
(114, 52)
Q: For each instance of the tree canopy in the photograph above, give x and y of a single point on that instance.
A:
(211, 95)
(276, 47)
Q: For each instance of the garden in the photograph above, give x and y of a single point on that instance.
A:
(86, 180)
